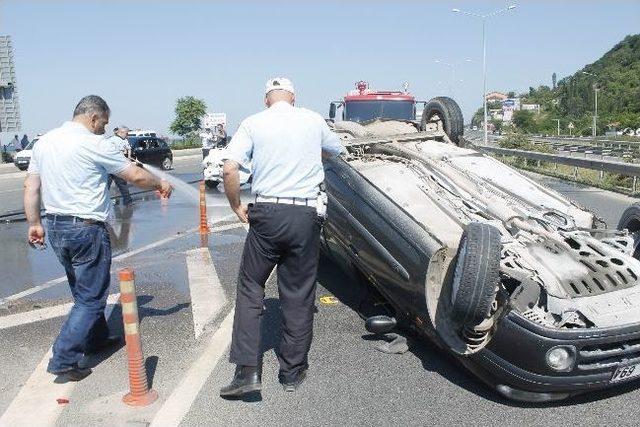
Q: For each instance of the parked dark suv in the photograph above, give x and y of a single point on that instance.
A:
(151, 150)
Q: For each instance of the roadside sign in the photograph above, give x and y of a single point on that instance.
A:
(571, 125)
(211, 120)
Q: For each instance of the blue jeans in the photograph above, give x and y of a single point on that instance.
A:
(84, 250)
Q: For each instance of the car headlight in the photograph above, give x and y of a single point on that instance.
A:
(561, 358)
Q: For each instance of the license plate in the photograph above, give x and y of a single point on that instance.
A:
(624, 373)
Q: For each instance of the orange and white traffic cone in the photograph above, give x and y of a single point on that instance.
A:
(139, 394)
(204, 223)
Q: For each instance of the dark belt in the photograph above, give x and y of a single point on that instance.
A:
(71, 218)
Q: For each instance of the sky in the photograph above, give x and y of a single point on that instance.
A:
(143, 55)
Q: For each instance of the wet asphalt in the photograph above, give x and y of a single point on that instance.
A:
(349, 382)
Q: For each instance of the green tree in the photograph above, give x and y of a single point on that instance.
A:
(189, 110)
(524, 121)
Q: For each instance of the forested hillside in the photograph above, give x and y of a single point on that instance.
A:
(617, 77)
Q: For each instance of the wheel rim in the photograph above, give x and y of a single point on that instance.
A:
(435, 118)
(166, 163)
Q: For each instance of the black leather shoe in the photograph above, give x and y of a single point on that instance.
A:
(113, 341)
(292, 385)
(245, 380)
(75, 373)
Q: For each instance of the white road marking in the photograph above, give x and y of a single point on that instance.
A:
(207, 295)
(35, 404)
(43, 313)
(120, 257)
(179, 402)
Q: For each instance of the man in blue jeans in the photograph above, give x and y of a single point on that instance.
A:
(68, 173)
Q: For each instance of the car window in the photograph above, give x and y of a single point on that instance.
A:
(31, 144)
(153, 143)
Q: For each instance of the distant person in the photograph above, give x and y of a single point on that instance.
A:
(15, 142)
(69, 171)
(219, 135)
(207, 142)
(24, 141)
(120, 142)
(285, 146)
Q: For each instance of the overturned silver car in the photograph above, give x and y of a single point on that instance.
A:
(529, 291)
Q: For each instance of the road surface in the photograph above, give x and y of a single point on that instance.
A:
(185, 338)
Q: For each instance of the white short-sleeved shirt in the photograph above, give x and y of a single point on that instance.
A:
(73, 165)
(283, 145)
(122, 144)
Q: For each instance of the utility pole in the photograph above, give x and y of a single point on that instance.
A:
(595, 111)
(558, 120)
(484, 57)
(595, 107)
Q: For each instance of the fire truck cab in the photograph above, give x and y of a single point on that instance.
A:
(363, 105)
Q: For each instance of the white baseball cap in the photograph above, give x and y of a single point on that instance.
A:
(279, 83)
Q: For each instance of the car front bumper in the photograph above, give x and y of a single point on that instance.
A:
(21, 163)
(515, 360)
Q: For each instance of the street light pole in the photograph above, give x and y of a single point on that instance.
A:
(595, 109)
(484, 81)
(595, 106)
(484, 57)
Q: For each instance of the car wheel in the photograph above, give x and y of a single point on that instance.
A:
(167, 163)
(447, 111)
(211, 183)
(630, 220)
(476, 275)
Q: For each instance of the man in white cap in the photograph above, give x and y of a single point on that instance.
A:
(284, 146)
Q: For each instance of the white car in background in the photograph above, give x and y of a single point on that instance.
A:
(23, 157)
(212, 165)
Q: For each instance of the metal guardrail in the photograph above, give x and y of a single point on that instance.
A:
(623, 168)
(601, 165)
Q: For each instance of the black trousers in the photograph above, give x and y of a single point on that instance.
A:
(287, 236)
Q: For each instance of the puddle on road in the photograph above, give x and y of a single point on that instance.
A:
(148, 220)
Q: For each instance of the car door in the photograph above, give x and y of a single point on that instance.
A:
(387, 243)
(139, 147)
(337, 231)
(155, 153)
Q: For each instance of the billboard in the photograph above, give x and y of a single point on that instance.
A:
(508, 107)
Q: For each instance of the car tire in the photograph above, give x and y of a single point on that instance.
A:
(476, 274)
(449, 113)
(211, 184)
(630, 220)
(167, 163)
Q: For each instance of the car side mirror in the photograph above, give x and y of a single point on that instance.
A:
(380, 324)
(332, 111)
